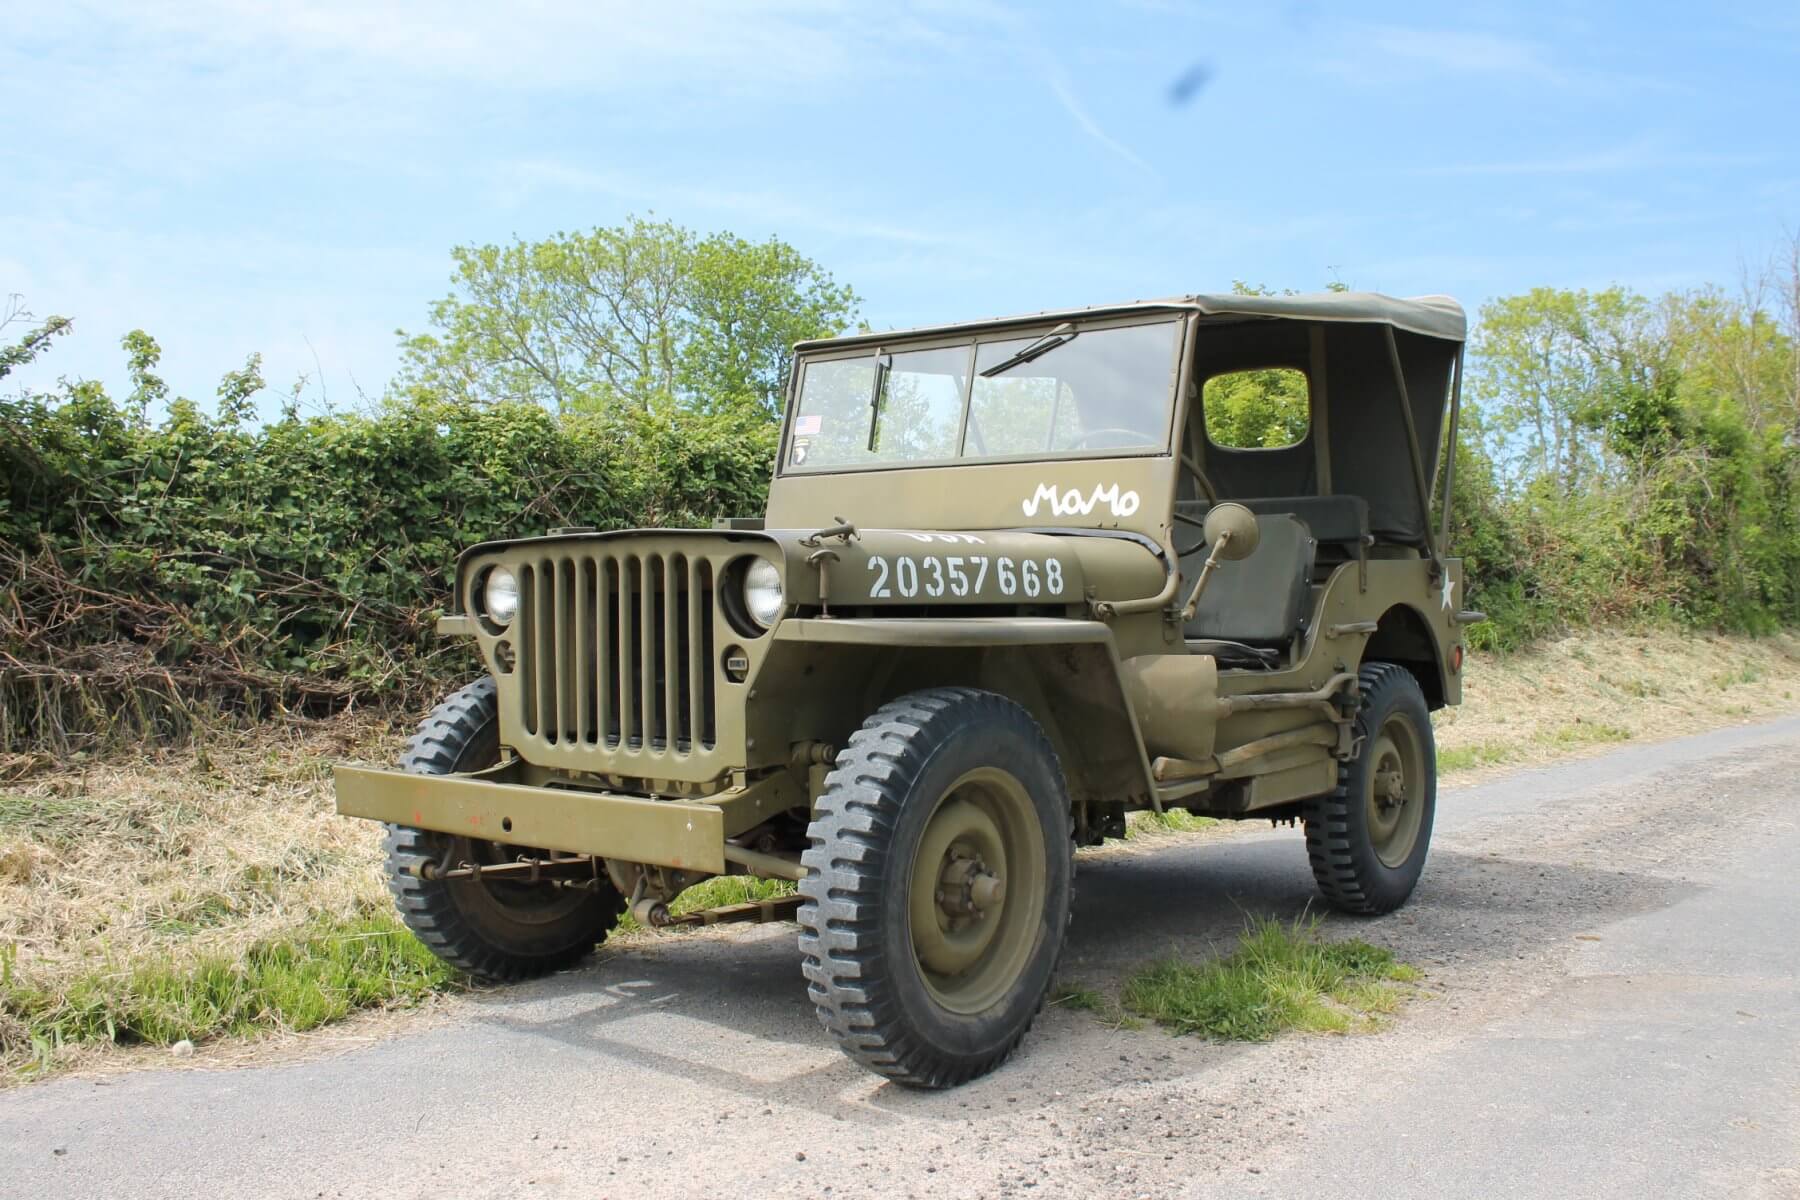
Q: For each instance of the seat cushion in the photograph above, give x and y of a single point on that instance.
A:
(1260, 600)
(1338, 520)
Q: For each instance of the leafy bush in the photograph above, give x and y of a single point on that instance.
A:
(155, 566)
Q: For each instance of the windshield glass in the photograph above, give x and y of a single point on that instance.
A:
(1097, 390)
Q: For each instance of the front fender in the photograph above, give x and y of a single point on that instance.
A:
(823, 676)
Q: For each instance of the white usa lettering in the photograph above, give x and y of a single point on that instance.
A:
(1073, 504)
(955, 539)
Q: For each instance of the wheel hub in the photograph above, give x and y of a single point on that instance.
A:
(967, 888)
(976, 885)
(1397, 772)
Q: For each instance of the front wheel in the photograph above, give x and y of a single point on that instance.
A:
(1368, 839)
(491, 929)
(937, 889)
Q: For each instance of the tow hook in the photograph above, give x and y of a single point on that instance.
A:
(843, 529)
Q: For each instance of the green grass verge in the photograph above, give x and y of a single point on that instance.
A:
(321, 973)
(1565, 737)
(720, 890)
(1281, 976)
(1171, 820)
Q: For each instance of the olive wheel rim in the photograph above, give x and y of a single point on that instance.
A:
(976, 890)
(1393, 790)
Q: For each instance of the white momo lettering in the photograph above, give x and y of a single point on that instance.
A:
(1073, 504)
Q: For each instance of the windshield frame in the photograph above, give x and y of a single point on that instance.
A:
(867, 346)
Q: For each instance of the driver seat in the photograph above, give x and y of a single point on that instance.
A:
(1262, 600)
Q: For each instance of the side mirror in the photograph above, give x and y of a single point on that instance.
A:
(1232, 532)
(1239, 523)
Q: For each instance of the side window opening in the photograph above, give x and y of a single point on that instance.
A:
(1266, 408)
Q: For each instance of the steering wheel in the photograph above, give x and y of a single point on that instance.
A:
(1127, 437)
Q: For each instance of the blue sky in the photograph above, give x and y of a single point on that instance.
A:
(288, 178)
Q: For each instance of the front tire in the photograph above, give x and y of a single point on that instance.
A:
(938, 886)
(1368, 839)
(492, 930)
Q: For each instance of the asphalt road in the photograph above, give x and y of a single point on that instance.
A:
(1612, 951)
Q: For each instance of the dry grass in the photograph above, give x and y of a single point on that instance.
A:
(177, 859)
(1582, 694)
(116, 870)
(209, 847)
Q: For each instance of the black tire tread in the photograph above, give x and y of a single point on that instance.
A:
(446, 741)
(840, 943)
(1327, 818)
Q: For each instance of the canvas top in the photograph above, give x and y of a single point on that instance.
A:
(1430, 316)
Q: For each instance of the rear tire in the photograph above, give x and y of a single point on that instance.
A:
(938, 886)
(497, 931)
(1368, 839)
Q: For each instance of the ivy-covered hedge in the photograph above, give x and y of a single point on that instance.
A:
(153, 567)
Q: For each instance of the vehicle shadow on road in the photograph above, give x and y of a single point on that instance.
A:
(728, 1010)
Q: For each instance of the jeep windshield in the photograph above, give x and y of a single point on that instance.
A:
(1066, 392)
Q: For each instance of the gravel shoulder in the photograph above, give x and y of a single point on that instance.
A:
(1611, 1008)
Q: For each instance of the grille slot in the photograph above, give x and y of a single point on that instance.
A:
(615, 652)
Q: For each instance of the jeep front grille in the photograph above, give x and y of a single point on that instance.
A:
(615, 653)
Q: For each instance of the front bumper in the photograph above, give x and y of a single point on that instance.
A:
(665, 833)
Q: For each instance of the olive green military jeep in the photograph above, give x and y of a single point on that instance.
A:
(1015, 580)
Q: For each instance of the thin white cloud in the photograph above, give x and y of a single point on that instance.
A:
(1640, 155)
(1451, 50)
(852, 223)
(1370, 54)
(1058, 81)
(602, 44)
(771, 208)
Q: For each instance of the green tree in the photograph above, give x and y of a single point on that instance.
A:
(1646, 455)
(1560, 375)
(644, 315)
(36, 339)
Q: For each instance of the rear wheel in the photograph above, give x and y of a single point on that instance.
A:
(1368, 839)
(938, 886)
(491, 929)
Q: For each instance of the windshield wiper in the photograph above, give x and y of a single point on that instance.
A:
(883, 363)
(1062, 335)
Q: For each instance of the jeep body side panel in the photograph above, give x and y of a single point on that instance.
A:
(1193, 712)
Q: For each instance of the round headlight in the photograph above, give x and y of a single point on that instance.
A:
(500, 597)
(762, 592)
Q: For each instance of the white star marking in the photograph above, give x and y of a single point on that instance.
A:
(1449, 587)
